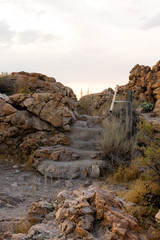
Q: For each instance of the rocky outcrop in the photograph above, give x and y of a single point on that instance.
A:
(40, 108)
(88, 214)
(39, 83)
(145, 83)
(96, 104)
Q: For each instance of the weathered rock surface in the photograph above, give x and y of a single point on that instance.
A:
(71, 170)
(39, 83)
(80, 159)
(145, 83)
(157, 217)
(36, 120)
(38, 211)
(96, 104)
(40, 108)
(88, 214)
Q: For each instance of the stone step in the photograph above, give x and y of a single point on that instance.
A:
(87, 124)
(63, 154)
(86, 145)
(85, 154)
(85, 134)
(70, 170)
(91, 121)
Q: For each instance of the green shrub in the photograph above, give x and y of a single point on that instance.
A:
(147, 107)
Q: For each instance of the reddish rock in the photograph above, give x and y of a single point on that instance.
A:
(38, 211)
(145, 83)
(84, 207)
(157, 217)
(39, 108)
(60, 139)
(82, 213)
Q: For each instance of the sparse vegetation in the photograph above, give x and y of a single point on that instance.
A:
(126, 173)
(115, 144)
(25, 90)
(29, 161)
(6, 85)
(147, 107)
(86, 105)
(22, 226)
(143, 176)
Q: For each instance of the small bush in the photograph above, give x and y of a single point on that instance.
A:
(86, 105)
(147, 107)
(126, 174)
(25, 90)
(145, 133)
(144, 192)
(22, 226)
(141, 213)
(6, 84)
(115, 144)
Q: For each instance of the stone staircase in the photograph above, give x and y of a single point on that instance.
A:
(81, 159)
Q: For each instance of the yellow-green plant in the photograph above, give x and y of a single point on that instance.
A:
(146, 189)
(25, 90)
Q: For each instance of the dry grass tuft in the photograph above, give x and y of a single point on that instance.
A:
(126, 174)
(115, 144)
(22, 226)
(143, 192)
(29, 162)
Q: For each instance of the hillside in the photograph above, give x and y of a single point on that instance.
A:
(69, 169)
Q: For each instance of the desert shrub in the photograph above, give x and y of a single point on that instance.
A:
(144, 192)
(25, 90)
(146, 189)
(126, 173)
(145, 134)
(22, 87)
(141, 213)
(6, 85)
(86, 105)
(147, 107)
(22, 226)
(115, 144)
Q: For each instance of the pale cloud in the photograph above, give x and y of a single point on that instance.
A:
(82, 43)
(33, 36)
(151, 23)
(6, 35)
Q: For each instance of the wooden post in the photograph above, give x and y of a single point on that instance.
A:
(114, 98)
(129, 119)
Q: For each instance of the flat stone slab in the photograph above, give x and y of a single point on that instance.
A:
(85, 134)
(71, 170)
(86, 145)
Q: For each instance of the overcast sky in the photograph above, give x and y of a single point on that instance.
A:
(82, 43)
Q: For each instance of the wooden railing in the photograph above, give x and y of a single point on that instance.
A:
(129, 118)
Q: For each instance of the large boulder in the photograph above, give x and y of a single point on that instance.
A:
(39, 108)
(39, 83)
